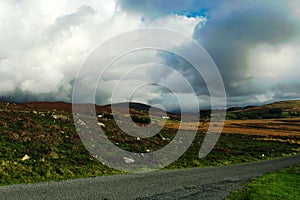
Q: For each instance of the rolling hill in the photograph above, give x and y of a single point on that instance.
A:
(282, 109)
(39, 142)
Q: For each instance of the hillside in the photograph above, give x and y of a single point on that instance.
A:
(39, 142)
(283, 109)
(135, 108)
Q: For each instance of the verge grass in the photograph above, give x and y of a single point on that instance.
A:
(284, 184)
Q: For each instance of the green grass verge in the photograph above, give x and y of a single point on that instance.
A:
(284, 184)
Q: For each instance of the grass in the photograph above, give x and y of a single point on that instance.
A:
(49, 138)
(284, 184)
(54, 148)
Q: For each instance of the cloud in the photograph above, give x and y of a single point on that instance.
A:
(179, 23)
(156, 8)
(43, 45)
(274, 62)
(63, 25)
(20, 96)
(254, 44)
(41, 51)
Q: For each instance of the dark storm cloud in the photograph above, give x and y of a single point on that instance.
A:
(229, 35)
(184, 68)
(20, 96)
(287, 91)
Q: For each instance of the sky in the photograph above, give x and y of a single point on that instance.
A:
(255, 45)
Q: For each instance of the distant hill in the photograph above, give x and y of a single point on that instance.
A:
(282, 109)
(135, 108)
(67, 107)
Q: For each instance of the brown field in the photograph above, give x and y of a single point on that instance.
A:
(264, 127)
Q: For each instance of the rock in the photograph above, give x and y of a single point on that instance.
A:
(56, 116)
(101, 124)
(161, 137)
(26, 157)
(128, 160)
(82, 123)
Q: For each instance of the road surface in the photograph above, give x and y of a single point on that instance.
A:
(201, 183)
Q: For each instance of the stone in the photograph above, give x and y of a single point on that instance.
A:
(26, 157)
(128, 160)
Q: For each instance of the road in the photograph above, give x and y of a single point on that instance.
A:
(201, 183)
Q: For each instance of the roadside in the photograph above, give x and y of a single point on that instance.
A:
(284, 184)
(206, 183)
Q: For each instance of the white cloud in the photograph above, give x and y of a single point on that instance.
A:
(180, 23)
(43, 44)
(274, 63)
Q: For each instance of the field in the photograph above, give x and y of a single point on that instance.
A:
(39, 142)
(286, 127)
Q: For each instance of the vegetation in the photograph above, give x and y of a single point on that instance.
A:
(38, 144)
(284, 184)
(141, 119)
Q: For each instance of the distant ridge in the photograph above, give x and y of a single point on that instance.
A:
(289, 108)
(67, 107)
(290, 105)
(281, 109)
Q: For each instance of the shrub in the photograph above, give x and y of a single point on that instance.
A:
(108, 116)
(141, 119)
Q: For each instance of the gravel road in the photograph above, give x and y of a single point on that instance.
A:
(202, 183)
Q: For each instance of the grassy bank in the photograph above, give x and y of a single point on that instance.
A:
(284, 184)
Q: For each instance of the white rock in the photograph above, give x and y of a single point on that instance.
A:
(26, 157)
(101, 124)
(81, 122)
(128, 160)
